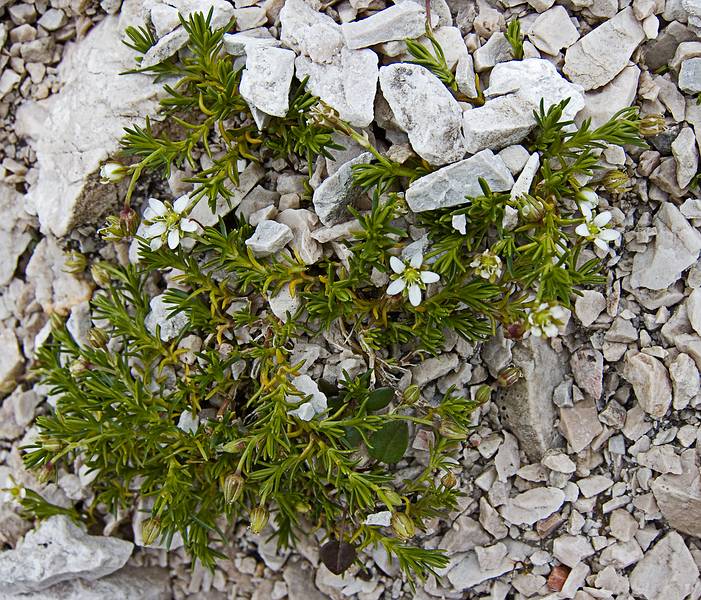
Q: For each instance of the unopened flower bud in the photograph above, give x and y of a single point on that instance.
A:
(78, 366)
(50, 444)
(112, 172)
(509, 376)
(514, 331)
(129, 221)
(533, 211)
(99, 274)
(450, 430)
(75, 263)
(392, 497)
(616, 182)
(411, 395)
(449, 480)
(232, 487)
(150, 530)
(303, 507)
(483, 394)
(97, 337)
(403, 526)
(652, 125)
(259, 519)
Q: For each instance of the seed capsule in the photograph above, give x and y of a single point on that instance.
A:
(233, 487)
(259, 519)
(403, 526)
(483, 395)
(509, 376)
(450, 430)
(411, 395)
(98, 338)
(75, 263)
(100, 274)
(652, 125)
(449, 480)
(150, 530)
(616, 182)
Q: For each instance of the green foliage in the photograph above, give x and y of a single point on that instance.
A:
(434, 60)
(252, 453)
(515, 37)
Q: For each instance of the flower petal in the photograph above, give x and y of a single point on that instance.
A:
(181, 203)
(396, 286)
(417, 260)
(158, 228)
(602, 218)
(157, 207)
(415, 294)
(188, 225)
(156, 243)
(305, 412)
(602, 244)
(550, 330)
(586, 211)
(459, 223)
(397, 265)
(609, 235)
(582, 230)
(430, 277)
(173, 239)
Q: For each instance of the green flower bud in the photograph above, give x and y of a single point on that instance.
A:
(411, 395)
(99, 274)
(112, 172)
(78, 366)
(449, 480)
(392, 497)
(403, 526)
(75, 263)
(259, 519)
(150, 530)
(233, 487)
(509, 376)
(50, 444)
(450, 430)
(303, 507)
(98, 338)
(616, 182)
(483, 395)
(652, 125)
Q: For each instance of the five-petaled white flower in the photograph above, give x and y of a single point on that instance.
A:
(594, 229)
(410, 279)
(488, 266)
(166, 221)
(12, 492)
(588, 201)
(546, 320)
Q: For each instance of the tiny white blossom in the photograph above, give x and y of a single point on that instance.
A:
(488, 266)
(316, 405)
(166, 221)
(112, 172)
(411, 279)
(459, 223)
(588, 201)
(12, 491)
(381, 519)
(594, 229)
(546, 320)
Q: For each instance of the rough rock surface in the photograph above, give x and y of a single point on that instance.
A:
(332, 198)
(266, 81)
(679, 496)
(434, 132)
(58, 550)
(650, 382)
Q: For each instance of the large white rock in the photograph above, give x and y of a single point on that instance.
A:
(426, 110)
(332, 198)
(84, 123)
(690, 76)
(532, 505)
(454, 184)
(686, 155)
(404, 20)
(603, 53)
(266, 81)
(666, 572)
(601, 104)
(14, 231)
(345, 79)
(650, 381)
(553, 30)
(516, 89)
(269, 237)
(58, 550)
(675, 248)
(679, 496)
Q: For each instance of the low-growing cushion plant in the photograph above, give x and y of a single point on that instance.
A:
(204, 416)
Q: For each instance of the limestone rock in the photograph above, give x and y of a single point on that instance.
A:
(553, 30)
(588, 369)
(650, 382)
(603, 53)
(580, 424)
(601, 104)
(690, 76)
(468, 572)
(533, 505)
(157, 320)
(11, 359)
(676, 247)
(686, 381)
(58, 550)
(13, 232)
(686, 156)
(69, 150)
(426, 110)
(589, 306)
(266, 81)
(496, 50)
(452, 185)
(515, 90)
(301, 221)
(667, 571)
(403, 20)
(269, 237)
(332, 198)
(679, 496)
(343, 78)
(526, 407)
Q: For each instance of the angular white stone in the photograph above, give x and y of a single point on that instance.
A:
(332, 198)
(496, 50)
(690, 76)
(266, 81)
(452, 185)
(686, 156)
(426, 110)
(268, 238)
(11, 359)
(343, 78)
(525, 179)
(403, 20)
(468, 572)
(169, 328)
(14, 231)
(533, 505)
(686, 381)
(507, 460)
(666, 571)
(650, 382)
(553, 30)
(600, 105)
(238, 44)
(675, 248)
(679, 496)
(58, 550)
(603, 53)
(516, 89)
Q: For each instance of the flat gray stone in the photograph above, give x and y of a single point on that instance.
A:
(269, 237)
(650, 382)
(533, 505)
(403, 20)
(332, 198)
(601, 104)
(553, 30)
(679, 496)
(690, 75)
(426, 110)
(266, 81)
(454, 184)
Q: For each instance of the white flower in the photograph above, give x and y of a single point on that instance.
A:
(381, 519)
(112, 172)
(166, 221)
(411, 280)
(459, 223)
(12, 491)
(594, 229)
(316, 405)
(546, 320)
(488, 266)
(588, 201)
